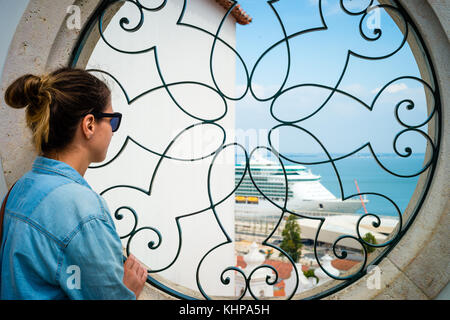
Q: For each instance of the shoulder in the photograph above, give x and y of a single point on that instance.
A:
(65, 209)
(81, 201)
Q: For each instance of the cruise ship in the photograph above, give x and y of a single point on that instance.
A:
(305, 192)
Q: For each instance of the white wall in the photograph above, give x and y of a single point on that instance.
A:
(180, 187)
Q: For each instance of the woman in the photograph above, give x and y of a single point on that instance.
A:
(59, 240)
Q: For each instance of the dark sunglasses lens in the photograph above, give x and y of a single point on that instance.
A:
(115, 124)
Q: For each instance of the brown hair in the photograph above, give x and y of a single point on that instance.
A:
(56, 102)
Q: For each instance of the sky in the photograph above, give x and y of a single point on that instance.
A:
(316, 58)
(319, 58)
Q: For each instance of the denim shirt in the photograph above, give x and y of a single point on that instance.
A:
(59, 240)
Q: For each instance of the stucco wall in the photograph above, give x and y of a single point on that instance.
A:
(417, 268)
(179, 187)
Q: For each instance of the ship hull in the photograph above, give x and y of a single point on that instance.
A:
(332, 205)
(305, 193)
(308, 207)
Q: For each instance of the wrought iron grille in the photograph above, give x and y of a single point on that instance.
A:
(432, 119)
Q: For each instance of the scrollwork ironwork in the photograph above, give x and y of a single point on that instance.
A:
(296, 124)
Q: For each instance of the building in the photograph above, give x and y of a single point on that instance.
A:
(42, 42)
(179, 188)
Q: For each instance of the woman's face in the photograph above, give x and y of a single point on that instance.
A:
(102, 137)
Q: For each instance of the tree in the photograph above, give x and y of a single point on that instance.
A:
(369, 238)
(310, 274)
(292, 243)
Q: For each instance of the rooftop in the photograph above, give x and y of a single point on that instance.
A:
(284, 270)
(238, 13)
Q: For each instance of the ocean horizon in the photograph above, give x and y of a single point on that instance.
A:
(370, 177)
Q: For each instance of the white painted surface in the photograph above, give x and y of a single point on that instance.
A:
(180, 187)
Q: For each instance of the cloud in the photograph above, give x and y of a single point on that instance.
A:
(393, 88)
(260, 90)
(397, 87)
(355, 89)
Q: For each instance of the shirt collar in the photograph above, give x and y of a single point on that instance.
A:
(44, 164)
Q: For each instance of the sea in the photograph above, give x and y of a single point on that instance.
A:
(364, 172)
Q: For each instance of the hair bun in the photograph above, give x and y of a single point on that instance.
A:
(25, 91)
(57, 102)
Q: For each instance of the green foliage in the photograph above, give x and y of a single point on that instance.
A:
(369, 238)
(292, 243)
(310, 274)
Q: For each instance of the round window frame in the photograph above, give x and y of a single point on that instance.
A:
(410, 217)
(58, 53)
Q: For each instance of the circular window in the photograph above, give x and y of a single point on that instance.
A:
(267, 149)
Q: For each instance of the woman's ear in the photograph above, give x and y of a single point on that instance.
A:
(88, 126)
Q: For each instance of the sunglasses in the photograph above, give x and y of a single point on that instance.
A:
(116, 117)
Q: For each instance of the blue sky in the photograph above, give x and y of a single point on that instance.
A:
(319, 57)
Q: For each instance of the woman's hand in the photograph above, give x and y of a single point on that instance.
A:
(134, 275)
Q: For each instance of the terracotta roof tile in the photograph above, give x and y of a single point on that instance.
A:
(240, 262)
(284, 269)
(278, 290)
(238, 13)
(344, 264)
